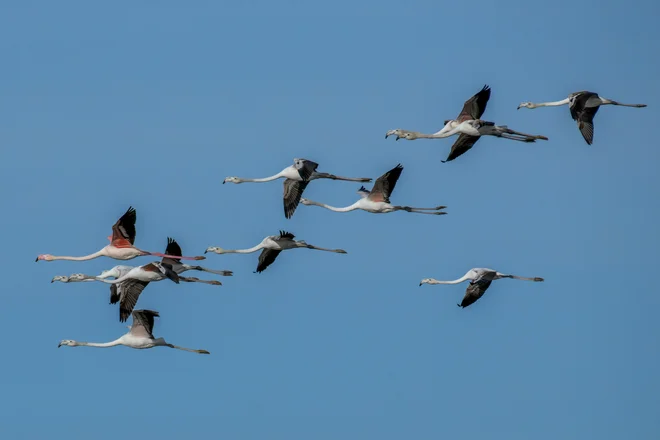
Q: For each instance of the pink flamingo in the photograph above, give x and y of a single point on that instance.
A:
(121, 244)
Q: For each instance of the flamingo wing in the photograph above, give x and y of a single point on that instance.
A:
(123, 231)
(385, 185)
(474, 107)
(293, 191)
(143, 323)
(461, 146)
(173, 249)
(130, 292)
(266, 258)
(474, 291)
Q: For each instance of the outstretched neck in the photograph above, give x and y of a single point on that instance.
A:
(551, 104)
(458, 281)
(243, 251)
(265, 179)
(100, 344)
(353, 207)
(100, 253)
(438, 135)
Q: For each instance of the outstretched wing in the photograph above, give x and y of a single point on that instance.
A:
(385, 185)
(293, 191)
(123, 231)
(285, 235)
(461, 146)
(174, 249)
(266, 258)
(474, 291)
(130, 292)
(475, 106)
(584, 114)
(305, 168)
(143, 323)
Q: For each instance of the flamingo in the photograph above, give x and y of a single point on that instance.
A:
(272, 246)
(480, 279)
(377, 200)
(297, 177)
(583, 106)
(470, 132)
(121, 244)
(139, 336)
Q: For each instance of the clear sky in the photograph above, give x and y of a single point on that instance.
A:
(109, 105)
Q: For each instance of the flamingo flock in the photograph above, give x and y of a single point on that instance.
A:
(127, 283)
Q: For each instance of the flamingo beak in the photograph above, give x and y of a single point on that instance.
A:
(59, 345)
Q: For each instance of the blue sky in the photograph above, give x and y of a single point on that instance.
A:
(106, 106)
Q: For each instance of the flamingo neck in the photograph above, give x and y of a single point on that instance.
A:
(243, 251)
(100, 253)
(352, 207)
(100, 344)
(265, 179)
(551, 104)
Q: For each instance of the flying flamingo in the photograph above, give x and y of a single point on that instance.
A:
(272, 246)
(480, 279)
(583, 106)
(297, 177)
(470, 133)
(121, 244)
(139, 336)
(378, 199)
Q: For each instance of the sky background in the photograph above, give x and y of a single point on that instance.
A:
(104, 106)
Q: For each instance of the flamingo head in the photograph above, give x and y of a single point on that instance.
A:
(68, 342)
(401, 134)
(217, 250)
(45, 257)
(61, 278)
(526, 105)
(232, 179)
(425, 281)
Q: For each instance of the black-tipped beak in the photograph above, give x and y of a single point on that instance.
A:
(59, 345)
(386, 136)
(205, 251)
(518, 108)
(223, 182)
(397, 138)
(36, 260)
(420, 284)
(51, 281)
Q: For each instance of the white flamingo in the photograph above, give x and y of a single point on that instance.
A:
(473, 109)
(272, 246)
(297, 177)
(377, 200)
(121, 244)
(480, 279)
(583, 106)
(140, 336)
